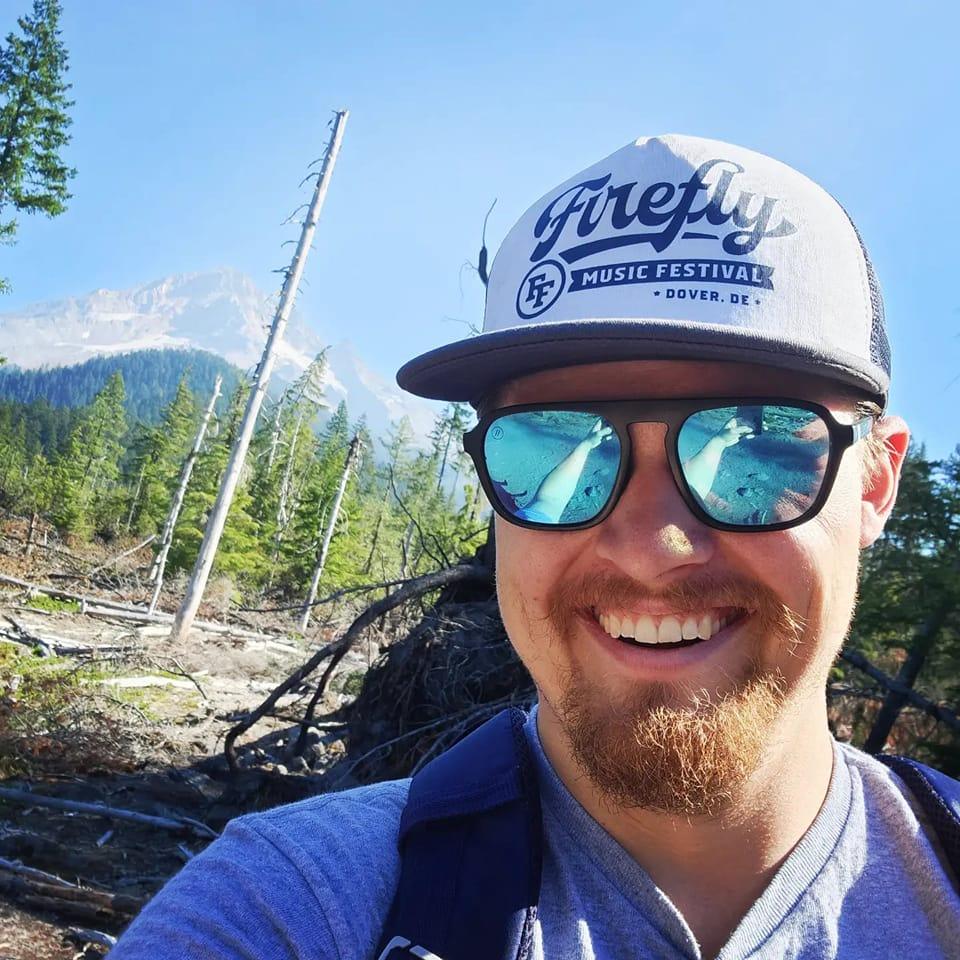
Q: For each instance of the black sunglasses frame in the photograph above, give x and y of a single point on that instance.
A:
(620, 414)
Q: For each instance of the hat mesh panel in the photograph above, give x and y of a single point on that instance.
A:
(879, 342)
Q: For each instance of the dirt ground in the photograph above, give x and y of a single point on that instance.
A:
(142, 730)
(25, 935)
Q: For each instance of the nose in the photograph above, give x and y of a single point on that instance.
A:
(651, 536)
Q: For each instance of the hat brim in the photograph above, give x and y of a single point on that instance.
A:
(469, 369)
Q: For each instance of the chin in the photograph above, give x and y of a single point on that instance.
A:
(671, 748)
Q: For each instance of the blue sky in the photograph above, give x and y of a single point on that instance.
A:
(195, 121)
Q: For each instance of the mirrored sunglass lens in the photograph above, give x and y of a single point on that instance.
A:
(753, 465)
(552, 466)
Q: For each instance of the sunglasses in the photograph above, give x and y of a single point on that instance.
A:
(740, 464)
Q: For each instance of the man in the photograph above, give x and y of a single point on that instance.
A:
(680, 388)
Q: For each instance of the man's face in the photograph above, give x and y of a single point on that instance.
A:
(680, 729)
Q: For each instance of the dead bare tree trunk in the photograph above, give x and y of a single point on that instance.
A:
(475, 502)
(443, 462)
(895, 700)
(136, 496)
(231, 476)
(121, 556)
(31, 531)
(352, 454)
(405, 550)
(939, 712)
(166, 539)
(283, 514)
(274, 435)
(376, 541)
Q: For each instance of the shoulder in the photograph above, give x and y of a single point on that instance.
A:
(336, 838)
(314, 878)
(879, 783)
(888, 778)
(891, 802)
(360, 821)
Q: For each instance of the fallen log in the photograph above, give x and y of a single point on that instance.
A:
(103, 607)
(179, 825)
(82, 935)
(25, 639)
(120, 556)
(51, 645)
(45, 546)
(62, 594)
(46, 891)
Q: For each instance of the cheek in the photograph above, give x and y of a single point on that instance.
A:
(815, 569)
(838, 546)
(529, 566)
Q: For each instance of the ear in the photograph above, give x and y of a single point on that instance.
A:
(880, 490)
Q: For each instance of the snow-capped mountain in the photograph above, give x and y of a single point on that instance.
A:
(221, 311)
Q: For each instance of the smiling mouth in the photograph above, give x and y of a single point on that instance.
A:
(671, 631)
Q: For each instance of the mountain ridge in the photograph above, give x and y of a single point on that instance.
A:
(150, 380)
(221, 312)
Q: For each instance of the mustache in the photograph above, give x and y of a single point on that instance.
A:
(591, 592)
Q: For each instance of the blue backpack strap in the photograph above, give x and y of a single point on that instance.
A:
(939, 796)
(470, 849)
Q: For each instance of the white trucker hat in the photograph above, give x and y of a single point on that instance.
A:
(674, 247)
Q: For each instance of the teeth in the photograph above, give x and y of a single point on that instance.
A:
(645, 630)
(669, 631)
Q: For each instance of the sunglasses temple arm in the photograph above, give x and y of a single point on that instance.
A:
(861, 428)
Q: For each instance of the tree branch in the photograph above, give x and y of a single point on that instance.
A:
(181, 825)
(944, 714)
(409, 591)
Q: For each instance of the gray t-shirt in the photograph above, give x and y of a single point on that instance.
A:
(314, 881)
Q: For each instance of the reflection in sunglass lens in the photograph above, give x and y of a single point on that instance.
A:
(755, 464)
(552, 466)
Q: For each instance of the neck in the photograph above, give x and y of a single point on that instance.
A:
(714, 868)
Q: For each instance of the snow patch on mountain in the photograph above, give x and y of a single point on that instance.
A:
(221, 311)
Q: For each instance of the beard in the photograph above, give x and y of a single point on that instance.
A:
(671, 747)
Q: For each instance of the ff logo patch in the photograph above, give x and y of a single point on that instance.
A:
(540, 289)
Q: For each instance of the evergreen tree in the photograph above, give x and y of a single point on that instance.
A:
(299, 446)
(151, 378)
(241, 550)
(33, 118)
(39, 491)
(402, 512)
(86, 475)
(390, 526)
(158, 456)
(438, 532)
(316, 499)
(283, 459)
(908, 613)
(446, 438)
(13, 458)
(336, 433)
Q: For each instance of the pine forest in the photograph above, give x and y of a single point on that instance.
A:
(223, 589)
